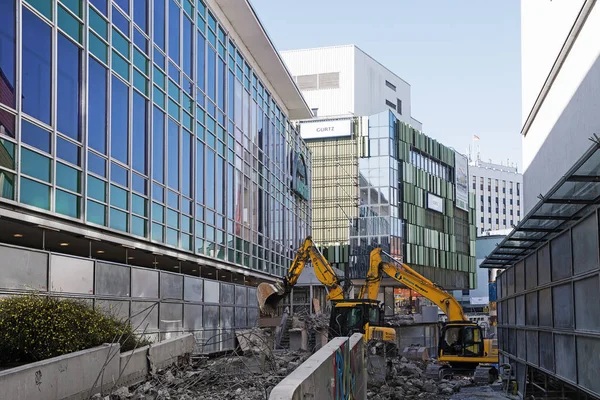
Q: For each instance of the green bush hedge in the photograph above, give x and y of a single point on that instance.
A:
(35, 327)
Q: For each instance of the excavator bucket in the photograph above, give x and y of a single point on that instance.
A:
(269, 295)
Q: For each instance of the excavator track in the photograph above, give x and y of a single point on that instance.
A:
(437, 372)
(485, 374)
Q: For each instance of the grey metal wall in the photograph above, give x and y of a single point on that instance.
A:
(549, 309)
(161, 304)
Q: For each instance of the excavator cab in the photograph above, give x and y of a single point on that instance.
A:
(351, 316)
(464, 339)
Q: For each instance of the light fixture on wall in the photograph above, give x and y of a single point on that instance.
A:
(18, 235)
(64, 244)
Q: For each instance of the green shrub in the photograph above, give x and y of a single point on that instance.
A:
(35, 327)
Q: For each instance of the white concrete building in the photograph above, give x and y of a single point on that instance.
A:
(498, 195)
(344, 80)
(561, 89)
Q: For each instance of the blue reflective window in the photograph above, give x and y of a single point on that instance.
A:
(158, 146)
(68, 204)
(210, 178)
(97, 106)
(173, 155)
(7, 51)
(211, 65)
(119, 174)
(68, 88)
(173, 72)
(159, 58)
(67, 151)
(230, 191)
(118, 220)
(119, 140)
(124, 4)
(174, 28)
(140, 136)
(35, 194)
(96, 213)
(199, 172)
(231, 98)
(138, 184)
(201, 61)
(220, 183)
(159, 23)
(221, 84)
(37, 76)
(36, 165)
(140, 14)
(96, 164)
(172, 199)
(158, 193)
(212, 23)
(120, 21)
(35, 136)
(100, 5)
(186, 163)
(140, 40)
(188, 48)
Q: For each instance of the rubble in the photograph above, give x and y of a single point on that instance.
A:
(404, 379)
(400, 320)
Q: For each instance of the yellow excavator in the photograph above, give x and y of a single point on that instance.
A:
(348, 316)
(461, 348)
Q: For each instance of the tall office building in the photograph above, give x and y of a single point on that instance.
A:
(154, 133)
(548, 297)
(498, 189)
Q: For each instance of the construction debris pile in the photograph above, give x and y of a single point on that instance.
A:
(403, 379)
(400, 320)
(247, 374)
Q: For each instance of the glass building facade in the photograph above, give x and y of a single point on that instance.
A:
(386, 174)
(144, 118)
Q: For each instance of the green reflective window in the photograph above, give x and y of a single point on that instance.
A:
(8, 150)
(158, 212)
(188, 121)
(118, 220)
(140, 82)
(174, 91)
(210, 124)
(118, 197)
(35, 194)
(188, 103)
(140, 61)
(98, 24)
(35, 165)
(201, 8)
(159, 78)
(73, 5)
(120, 43)
(68, 178)
(188, 7)
(200, 131)
(43, 6)
(157, 232)
(186, 224)
(159, 97)
(173, 109)
(7, 185)
(172, 218)
(199, 229)
(139, 205)
(69, 24)
(201, 115)
(98, 47)
(96, 213)
(96, 189)
(120, 65)
(138, 226)
(172, 238)
(187, 242)
(68, 204)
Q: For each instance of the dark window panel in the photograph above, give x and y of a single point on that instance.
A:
(159, 23)
(37, 77)
(119, 121)
(188, 48)
(140, 14)
(35, 136)
(69, 88)
(199, 172)
(97, 106)
(120, 21)
(7, 56)
(174, 28)
(158, 146)
(140, 133)
(211, 66)
(186, 160)
(173, 155)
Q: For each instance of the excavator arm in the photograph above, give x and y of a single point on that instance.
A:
(269, 294)
(412, 279)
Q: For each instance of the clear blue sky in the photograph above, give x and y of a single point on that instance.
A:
(461, 57)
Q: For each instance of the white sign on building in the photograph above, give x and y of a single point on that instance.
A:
(461, 176)
(435, 203)
(326, 129)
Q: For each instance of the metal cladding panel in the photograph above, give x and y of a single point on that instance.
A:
(116, 308)
(32, 271)
(531, 271)
(144, 315)
(512, 341)
(544, 267)
(227, 294)
(521, 344)
(192, 289)
(520, 310)
(211, 291)
(519, 277)
(562, 298)
(566, 364)
(587, 304)
(546, 351)
(171, 286)
(240, 295)
(240, 317)
(113, 279)
(227, 319)
(532, 347)
(531, 311)
(71, 275)
(585, 245)
(545, 312)
(192, 316)
(211, 317)
(171, 317)
(588, 363)
(144, 283)
(560, 249)
(511, 311)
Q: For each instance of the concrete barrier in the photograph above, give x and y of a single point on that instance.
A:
(336, 371)
(70, 376)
